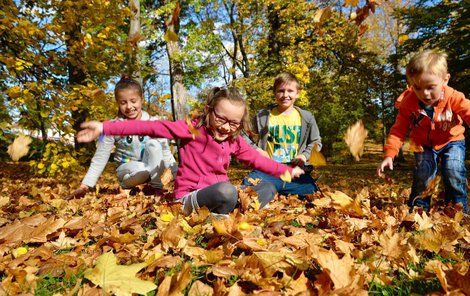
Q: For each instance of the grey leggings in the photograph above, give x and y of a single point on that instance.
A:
(222, 197)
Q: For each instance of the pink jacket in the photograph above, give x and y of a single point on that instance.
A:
(203, 161)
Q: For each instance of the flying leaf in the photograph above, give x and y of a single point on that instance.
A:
(350, 3)
(192, 129)
(170, 36)
(415, 148)
(118, 279)
(19, 147)
(402, 38)
(321, 15)
(316, 158)
(166, 178)
(354, 138)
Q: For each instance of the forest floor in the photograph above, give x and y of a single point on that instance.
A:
(355, 237)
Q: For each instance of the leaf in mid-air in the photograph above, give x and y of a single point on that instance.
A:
(316, 158)
(354, 138)
(19, 147)
(192, 129)
(118, 279)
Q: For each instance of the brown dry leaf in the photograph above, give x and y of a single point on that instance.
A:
(339, 270)
(340, 199)
(424, 221)
(350, 3)
(192, 129)
(166, 178)
(199, 288)
(173, 235)
(19, 147)
(355, 137)
(118, 279)
(64, 242)
(316, 158)
(225, 226)
(415, 148)
(300, 286)
(235, 290)
(248, 199)
(393, 243)
(174, 285)
(224, 271)
(440, 237)
(322, 14)
(432, 188)
(4, 200)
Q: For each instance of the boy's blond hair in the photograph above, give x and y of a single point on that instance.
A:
(285, 77)
(427, 61)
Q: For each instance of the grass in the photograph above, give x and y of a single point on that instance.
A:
(50, 285)
(403, 285)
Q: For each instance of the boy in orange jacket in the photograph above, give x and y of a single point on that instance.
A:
(433, 113)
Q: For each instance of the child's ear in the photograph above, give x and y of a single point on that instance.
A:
(446, 78)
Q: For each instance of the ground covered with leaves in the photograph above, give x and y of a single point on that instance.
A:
(353, 238)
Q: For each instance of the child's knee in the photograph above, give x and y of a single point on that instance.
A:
(154, 145)
(228, 192)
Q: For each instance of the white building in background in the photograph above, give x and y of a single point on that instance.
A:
(52, 135)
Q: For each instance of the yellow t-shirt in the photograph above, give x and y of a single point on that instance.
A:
(284, 135)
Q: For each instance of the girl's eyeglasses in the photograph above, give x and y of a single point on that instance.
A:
(220, 120)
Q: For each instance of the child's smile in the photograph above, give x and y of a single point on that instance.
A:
(225, 119)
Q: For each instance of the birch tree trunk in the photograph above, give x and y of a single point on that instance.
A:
(133, 39)
(179, 94)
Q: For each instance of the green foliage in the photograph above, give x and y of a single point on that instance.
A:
(441, 25)
(56, 160)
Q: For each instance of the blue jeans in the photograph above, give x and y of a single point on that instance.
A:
(301, 186)
(452, 162)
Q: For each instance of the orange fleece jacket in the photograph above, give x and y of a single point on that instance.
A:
(445, 126)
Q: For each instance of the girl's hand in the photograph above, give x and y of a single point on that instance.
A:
(90, 131)
(387, 162)
(296, 172)
(79, 193)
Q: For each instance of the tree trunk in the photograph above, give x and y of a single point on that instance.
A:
(179, 93)
(133, 39)
(76, 76)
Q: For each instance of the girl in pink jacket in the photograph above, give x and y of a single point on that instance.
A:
(207, 145)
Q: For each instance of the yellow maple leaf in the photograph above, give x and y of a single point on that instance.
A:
(118, 279)
(354, 138)
(19, 147)
(316, 158)
(286, 177)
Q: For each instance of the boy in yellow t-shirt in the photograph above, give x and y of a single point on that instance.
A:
(287, 134)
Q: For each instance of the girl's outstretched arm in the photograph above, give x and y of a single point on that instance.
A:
(90, 131)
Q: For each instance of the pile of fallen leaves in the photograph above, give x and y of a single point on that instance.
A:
(335, 242)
